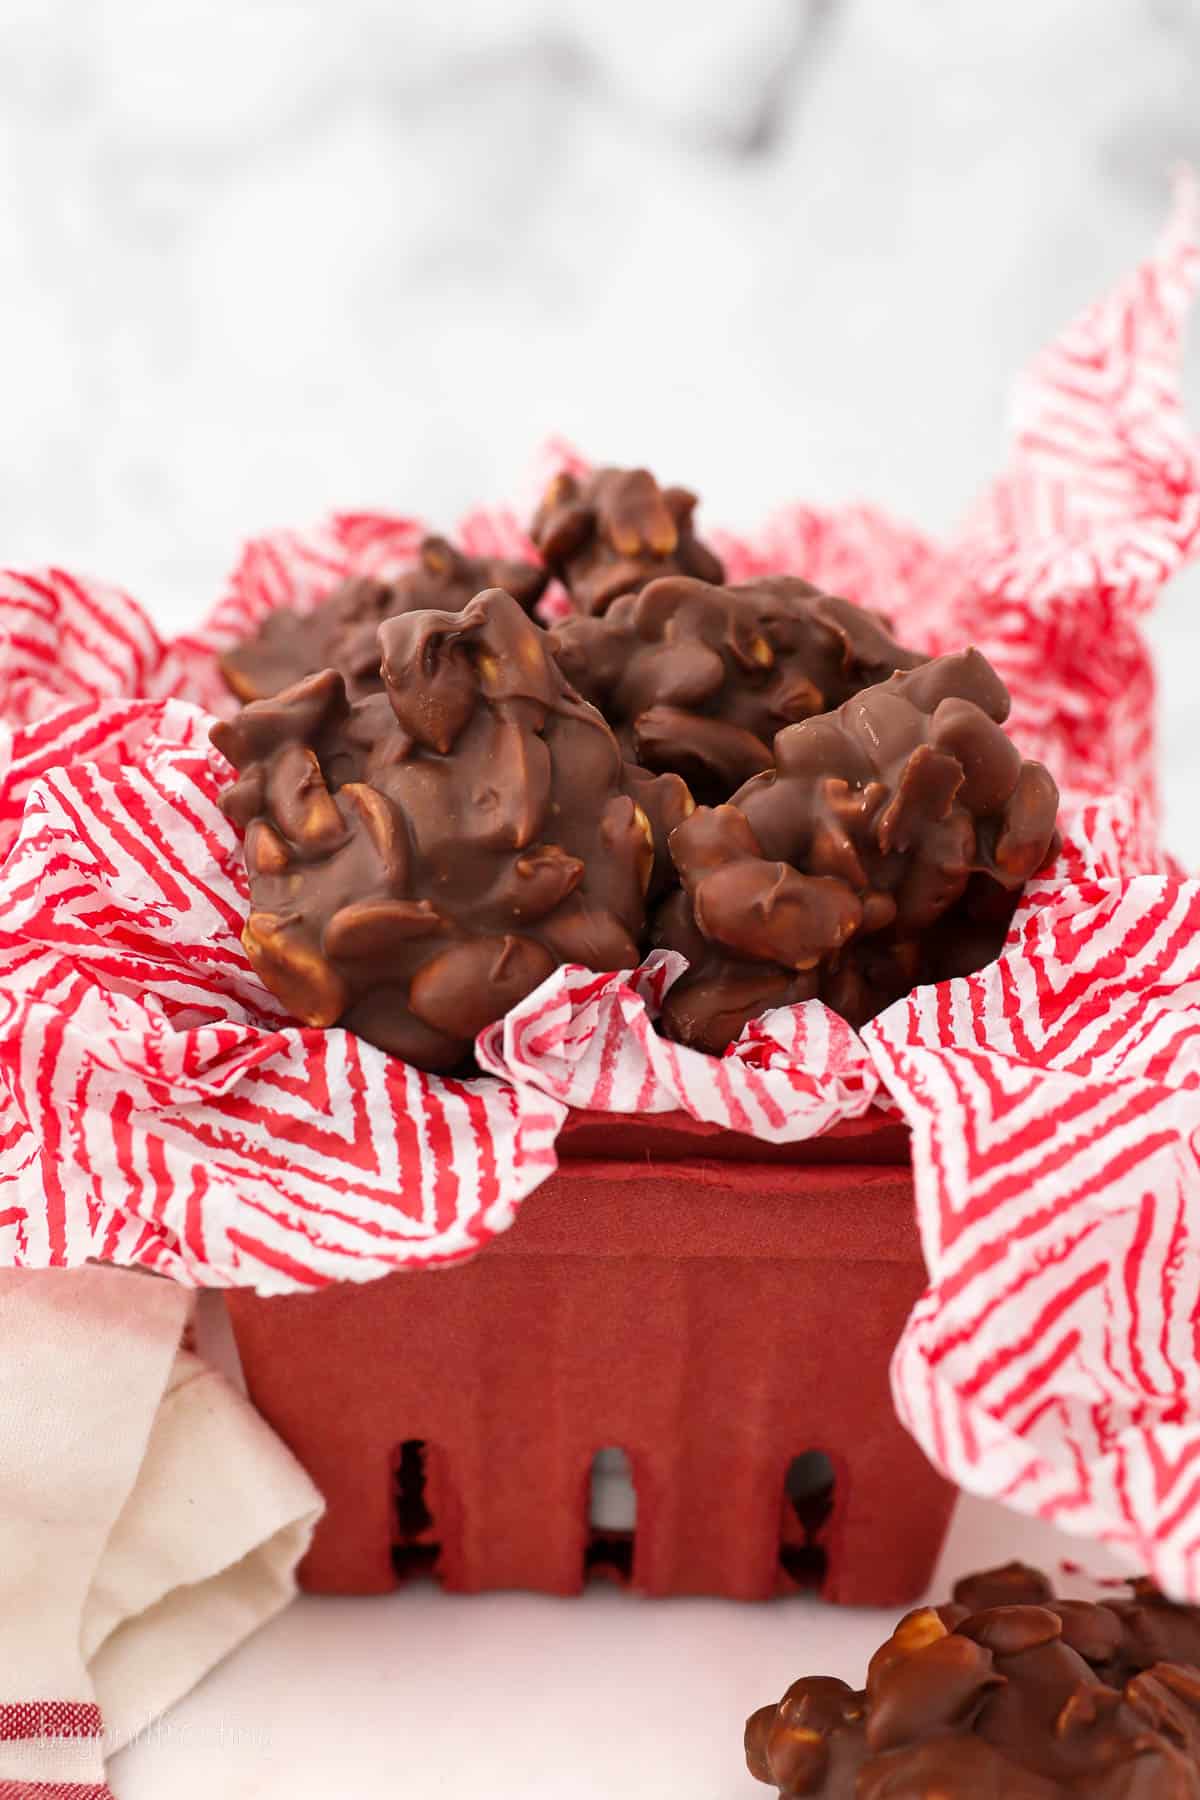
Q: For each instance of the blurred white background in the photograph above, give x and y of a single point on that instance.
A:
(259, 260)
(263, 259)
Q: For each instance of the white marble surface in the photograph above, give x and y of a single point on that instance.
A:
(256, 260)
(259, 259)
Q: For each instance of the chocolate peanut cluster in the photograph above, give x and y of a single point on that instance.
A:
(1005, 1693)
(421, 858)
(442, 802)
(885, 830)
(698, 679)
(342, 631)
(611, 532)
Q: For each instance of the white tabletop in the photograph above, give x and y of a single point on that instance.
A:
(514, 1697)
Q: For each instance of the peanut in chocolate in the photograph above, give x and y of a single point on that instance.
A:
(611, 532)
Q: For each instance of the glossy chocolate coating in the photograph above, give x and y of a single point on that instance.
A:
(422, 858)
(614, 530)
(698, 679)
(342, 631)
(1003, 1694)
(868, 855)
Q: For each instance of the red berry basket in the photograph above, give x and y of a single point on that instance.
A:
(717, 1308)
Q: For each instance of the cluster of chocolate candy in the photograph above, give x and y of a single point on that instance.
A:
(841, 871)
(442, 802)
(421, 858)
(1004, 1694)
(616, 531)
(698, 679)
(343, 632)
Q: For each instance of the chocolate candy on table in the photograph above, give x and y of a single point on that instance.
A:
(610, 532)
(342, 631)
(1005, 1693)
(422, 858)
(698, 679)
(889, 838)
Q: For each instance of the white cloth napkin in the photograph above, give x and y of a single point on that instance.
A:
(149, 1521)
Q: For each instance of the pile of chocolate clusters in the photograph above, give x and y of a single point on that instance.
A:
(1004, 1694)
(442, 802)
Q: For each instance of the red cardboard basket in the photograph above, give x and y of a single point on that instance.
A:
(715, 1307)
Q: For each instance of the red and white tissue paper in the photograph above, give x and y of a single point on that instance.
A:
(158, 1109)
